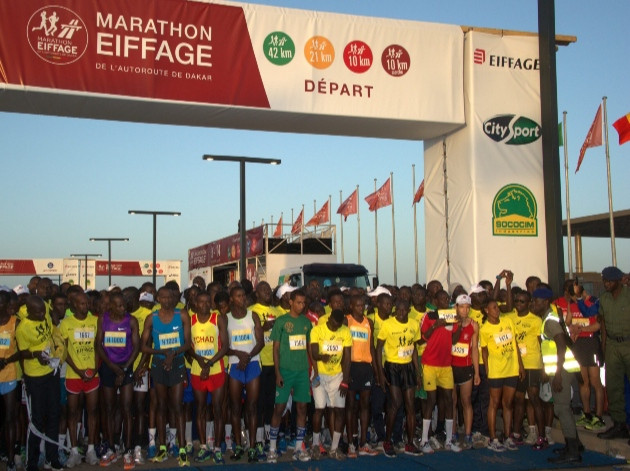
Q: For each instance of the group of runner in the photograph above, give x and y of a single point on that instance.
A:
(126, 373)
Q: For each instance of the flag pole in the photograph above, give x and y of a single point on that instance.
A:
(610, 201)
(302, 232)
(341, 225)
(314, 213)
(415, 224)
(376, 232)
(330, 222)
(568, 199)
(358, 228)
(391, 191)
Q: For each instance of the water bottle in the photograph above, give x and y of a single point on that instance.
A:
(315, 382)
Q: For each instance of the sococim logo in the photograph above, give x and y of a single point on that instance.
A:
(514, 212)
(512, 129)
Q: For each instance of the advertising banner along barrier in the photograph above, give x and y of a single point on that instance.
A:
(230, 65)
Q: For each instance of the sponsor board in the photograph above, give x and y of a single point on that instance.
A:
(514, 212)
(512, 129)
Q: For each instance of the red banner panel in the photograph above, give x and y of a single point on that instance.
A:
(226, 250)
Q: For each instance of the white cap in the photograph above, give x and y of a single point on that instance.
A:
(113, 287)
(463, 299)
(21, 289)
(379, 290)
(145, 296)
(476, 289)
(284, 288)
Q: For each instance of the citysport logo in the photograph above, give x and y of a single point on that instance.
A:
(57, 35)
(514, 212)
(511, 129)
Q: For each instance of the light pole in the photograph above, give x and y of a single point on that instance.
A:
(242, 269)
(86, 255)
(109, 251)
(155, 214)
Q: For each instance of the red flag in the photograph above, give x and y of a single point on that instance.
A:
(278, 231)
(320, 217)
(297, 225)
(593, 138)
(419, 194)
(381, 197)
(622, 125)
(349, 206)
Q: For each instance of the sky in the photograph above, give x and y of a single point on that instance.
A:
(66, 180)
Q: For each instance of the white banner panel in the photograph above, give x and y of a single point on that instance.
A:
(494, 182)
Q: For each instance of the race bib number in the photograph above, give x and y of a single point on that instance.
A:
(170, 340)
(332, 348)
(460, 350)
(449, 315)
(503, 338)
(297, 342)
(84, 334)
(523, 349)
(405, 352)
(581, 321)
(206, 352)
(5, 340)
(359, 334)
(115, 339)
(242, 337)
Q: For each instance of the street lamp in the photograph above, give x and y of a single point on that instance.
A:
(85, 255)
(109, 251)
(242, 161)
(155, 214)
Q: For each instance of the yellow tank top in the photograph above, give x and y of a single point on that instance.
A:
(206, 343)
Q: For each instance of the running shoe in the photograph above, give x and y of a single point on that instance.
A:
(509, 444)
(137, 455)
(218, 457)
(595, 425)
(532, 436)
(251, 456)
(189, 449)
(108, 458)
(452, 446)
(548, 436)
(435, 443)
(74, 459)
(161, 456)
(128, 462)
(301, 455)
(183, 458)
(467, 443)
(540, 444)
(91, 458)
(412, 450)
(173, 450)
(291, 443)
(238, 453)
(496, 445)
(151, 452)
(54, 465)
(479, 441)
(203, 455)
(367, 450)
(517, 439)
(338, 455)
(272, 456)
(282, 444)
(260, 452)
(352, 451)
(388, 449)
(315, 453)
(63, 458)
(426, 448)
(583, 421)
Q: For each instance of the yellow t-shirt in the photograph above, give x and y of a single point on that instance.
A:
(399, 339)
(500, 339)
(23, 313)
(141, 315)
(80, 337)
(322, 320)
(527, 334)
(418, 316)
(331, 343)
(35, 336)
(266, 313)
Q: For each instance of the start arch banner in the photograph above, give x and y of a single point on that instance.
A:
(231, 65)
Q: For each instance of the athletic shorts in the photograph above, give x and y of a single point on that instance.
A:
(7, 387)
(434, 377)
(77, 385)
(498, 383)
(361, 376)
(298, 382)
(188, 390)
(252, 371)
(108, 377)
(463, 374)
(144, 385)
(327, 393)
(586, 351)
(212, 383)
(400, 375)
(532, 380)
(173, 377)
